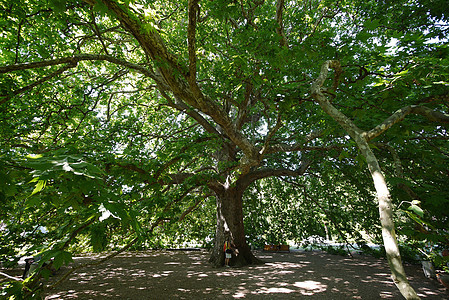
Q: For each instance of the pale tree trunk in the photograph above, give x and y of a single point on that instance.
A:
(230, 224)
(383, 195)
(386, 219)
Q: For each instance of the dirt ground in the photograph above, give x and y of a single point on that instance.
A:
(187, 275)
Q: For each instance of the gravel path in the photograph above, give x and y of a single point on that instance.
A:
(187, 275)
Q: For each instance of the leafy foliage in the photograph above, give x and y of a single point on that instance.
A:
(124, 119)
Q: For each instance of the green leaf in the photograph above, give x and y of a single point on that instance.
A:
(101, 7)
(62, 258)
(39, 186)
(46, 273)
(98, 238)
(58, 5)
(344, 154)
(14, 289)
(416, 209)
(371, 24)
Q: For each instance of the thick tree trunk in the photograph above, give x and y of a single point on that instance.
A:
(230, 224)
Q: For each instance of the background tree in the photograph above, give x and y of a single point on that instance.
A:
(177, 101)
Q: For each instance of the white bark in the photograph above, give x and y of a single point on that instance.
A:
(383, 195)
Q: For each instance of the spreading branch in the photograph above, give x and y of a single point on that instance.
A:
(5, 98)
(280, 29)
(244, 181)
(299, 146)
(181, 106)
(349, 126)
(176, 76)
(191, 39)
(97, 32)
(270, 135)
(244, 107)
(74, 60)
(383, 195)
(399, 115)
(318, 94)
(77, 231)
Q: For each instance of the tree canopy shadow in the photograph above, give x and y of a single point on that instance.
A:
(187, 275)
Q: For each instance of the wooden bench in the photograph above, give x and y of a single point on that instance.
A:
(277, 248)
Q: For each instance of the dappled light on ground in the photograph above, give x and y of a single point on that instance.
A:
(187, 275)
(310, 287)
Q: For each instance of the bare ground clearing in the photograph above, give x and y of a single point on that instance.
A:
(187, 275)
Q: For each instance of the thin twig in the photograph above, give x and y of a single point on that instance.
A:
(11, 277)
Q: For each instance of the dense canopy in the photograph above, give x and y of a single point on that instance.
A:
(134, 123)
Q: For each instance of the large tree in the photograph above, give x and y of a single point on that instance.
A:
(206, 97)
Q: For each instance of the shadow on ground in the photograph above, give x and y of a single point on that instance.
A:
(186, 275)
